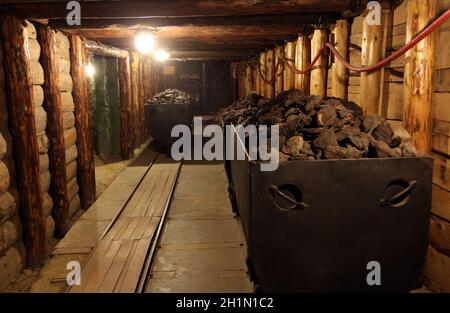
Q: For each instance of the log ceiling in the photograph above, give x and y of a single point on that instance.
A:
(190, 29)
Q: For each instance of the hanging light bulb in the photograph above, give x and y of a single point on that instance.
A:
(162, 55)
(90, 70)
(144, 41)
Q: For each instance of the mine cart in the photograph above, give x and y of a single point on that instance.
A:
(166, 110)
(314, 226)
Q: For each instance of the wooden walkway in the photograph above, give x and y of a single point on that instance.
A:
(116, 263)
(202, 247)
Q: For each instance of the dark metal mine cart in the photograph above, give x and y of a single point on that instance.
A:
(313, 226)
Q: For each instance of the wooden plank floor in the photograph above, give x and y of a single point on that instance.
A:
(116, 263)
(202, 246)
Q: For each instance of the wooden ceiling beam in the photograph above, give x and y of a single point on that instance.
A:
(179, 8)
(213, 53)
(196, 32)
(136, 23)
(196, 45)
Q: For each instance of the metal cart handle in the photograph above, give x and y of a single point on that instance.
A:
(395, 199)
(295, 204)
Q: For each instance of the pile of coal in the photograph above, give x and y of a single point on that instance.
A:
(171, 96)
(315, 128)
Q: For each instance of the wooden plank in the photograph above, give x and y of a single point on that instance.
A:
(16, 59)
(131, 277)
(443, 42)
(83, 116)
(437, 269)
(89, 267)
(441, 109)
(138, 207)
(441, 127)
(442, 80)
(101, 267)
(130, 229)
(441, 172)
(126, 266)
(440, 235)
(55, 131)
(149, 208)
(440, 205)
(117, 227)
(130, 237)
(116, 267)
(141, 227)
(441, 143)
(151, 228)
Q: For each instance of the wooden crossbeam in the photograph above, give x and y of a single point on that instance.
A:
(180, 8)
(156, 22)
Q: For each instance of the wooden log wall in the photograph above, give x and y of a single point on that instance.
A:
(19, 63)
(45, 118)
(12, 250)
(388, 93)
(437, 269)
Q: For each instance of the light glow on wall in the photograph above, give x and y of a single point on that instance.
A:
(90, 70)
(162, 55)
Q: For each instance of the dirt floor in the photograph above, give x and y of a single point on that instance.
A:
(49, 278)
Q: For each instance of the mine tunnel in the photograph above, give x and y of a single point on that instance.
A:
(200, 146)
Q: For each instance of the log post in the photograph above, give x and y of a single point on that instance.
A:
(318, 85)
(419, 68)
(83, 117)
(288, 75)
(23, 130)
(279, 78)
(256, 80)
(134, 70)
(205, 82)
(126, 141)
(372, 42)
(248, 80)
(55, 131)
(141, 100)
(262, 64)
(270, 68)
(339, 72)
(302, 59)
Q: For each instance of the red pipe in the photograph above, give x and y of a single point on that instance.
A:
(424, 33)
